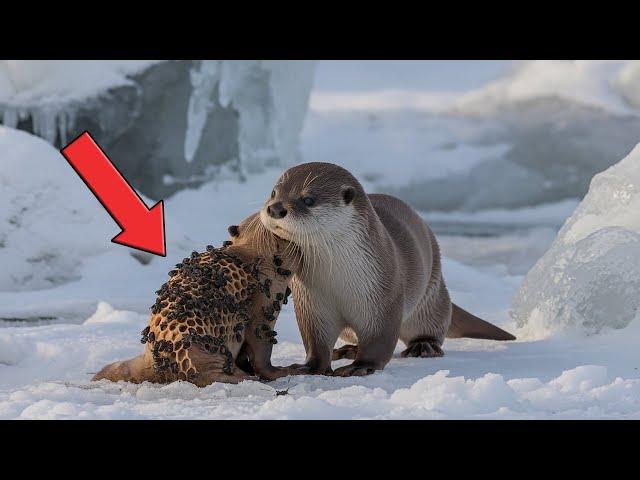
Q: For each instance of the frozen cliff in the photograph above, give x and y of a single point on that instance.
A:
(590, 277)
(166, 124)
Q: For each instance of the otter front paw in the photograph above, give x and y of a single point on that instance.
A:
(273, 373)
(308, 369)
(423, 348)
(346, 351)
(354, 370)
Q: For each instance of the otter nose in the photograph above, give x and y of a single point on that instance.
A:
(276, 210)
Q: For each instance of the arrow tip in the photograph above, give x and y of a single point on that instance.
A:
(146, 233)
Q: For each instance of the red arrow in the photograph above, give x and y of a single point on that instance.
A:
(142, 228)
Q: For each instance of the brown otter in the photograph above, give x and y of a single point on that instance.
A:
(370, 273)
(213, 319)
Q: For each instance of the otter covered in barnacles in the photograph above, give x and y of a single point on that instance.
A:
(370, 273)
(213, 319)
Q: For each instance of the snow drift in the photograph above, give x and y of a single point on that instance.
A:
(40, 208)
(590, 277)
(49, 220)
(166, 124)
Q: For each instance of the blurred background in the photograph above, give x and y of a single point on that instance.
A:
(494, 154)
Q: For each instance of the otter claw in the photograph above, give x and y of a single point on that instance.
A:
(353, 371)
(304, 369)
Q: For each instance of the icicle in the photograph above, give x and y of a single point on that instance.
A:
(45, 120)
(65, 123)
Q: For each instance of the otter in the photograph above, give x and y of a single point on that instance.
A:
(213, 319)
(370, 273)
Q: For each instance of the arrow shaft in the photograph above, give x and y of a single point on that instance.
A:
(104, 179)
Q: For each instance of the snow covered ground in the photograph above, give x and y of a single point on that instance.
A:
(91, 305)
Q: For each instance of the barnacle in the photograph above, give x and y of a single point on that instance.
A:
(206, 304)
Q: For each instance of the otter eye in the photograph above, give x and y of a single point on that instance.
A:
(308, 201)
(273, 193)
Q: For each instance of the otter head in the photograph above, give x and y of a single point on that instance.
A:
(251, 236)
(275, 260)
(312, 203)
(252, 241)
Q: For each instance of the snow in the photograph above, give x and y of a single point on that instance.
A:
(545, 214)
(586, 82)
(51, 223)
(83, 301)
(422, 146)
(47, 89)
(45, 369)
(30, 81)
(45, 373)
(537, 130)
(627, 82)
(590, 277)
(372, 86)
(33, 181)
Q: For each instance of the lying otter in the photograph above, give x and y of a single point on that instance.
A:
(213, 320)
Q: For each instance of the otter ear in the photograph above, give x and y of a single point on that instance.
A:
(348, 194)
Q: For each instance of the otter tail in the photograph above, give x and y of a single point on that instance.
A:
(464, 324)
(135, 370)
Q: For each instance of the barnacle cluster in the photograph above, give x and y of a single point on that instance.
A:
(206, 304)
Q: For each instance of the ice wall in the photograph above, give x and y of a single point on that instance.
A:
(590, 277)
(270, 97)
(48, 93)
(167, 124)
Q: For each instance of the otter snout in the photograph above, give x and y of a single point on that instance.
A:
(276, 210)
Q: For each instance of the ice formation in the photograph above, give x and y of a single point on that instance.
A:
(153, 115)
(51, 91)
(590, 277)
(270, 97)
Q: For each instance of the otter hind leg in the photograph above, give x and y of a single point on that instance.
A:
(347, 351)
(424, 331)
(423, 347)
(243, 360)
(212, 376)
(214, 367)
(136, 370)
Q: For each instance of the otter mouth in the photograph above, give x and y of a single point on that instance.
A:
(271, 225)
(278, 231)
